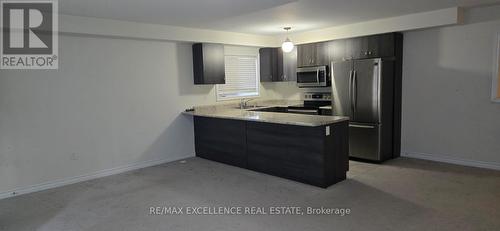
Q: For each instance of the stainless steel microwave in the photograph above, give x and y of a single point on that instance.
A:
(313, 76)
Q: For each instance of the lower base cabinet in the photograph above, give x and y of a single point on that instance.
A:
(300, 153)
(221, 140)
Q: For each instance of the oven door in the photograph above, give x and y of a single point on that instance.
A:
(308, 77)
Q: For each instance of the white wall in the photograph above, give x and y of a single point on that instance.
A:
(113, 103)
(428, 19)
(116, 102)
(447, 112)
(123, 29)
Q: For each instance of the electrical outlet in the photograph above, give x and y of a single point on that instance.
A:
(327, 130)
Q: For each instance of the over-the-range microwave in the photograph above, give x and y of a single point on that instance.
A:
(316, 76)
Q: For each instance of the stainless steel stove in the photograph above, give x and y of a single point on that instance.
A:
(314, 104)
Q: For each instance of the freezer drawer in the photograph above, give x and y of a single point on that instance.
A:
(364, 141)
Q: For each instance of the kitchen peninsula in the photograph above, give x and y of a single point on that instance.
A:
(312, 149)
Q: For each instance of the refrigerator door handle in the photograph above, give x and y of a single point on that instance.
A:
(377, 75)
(350, 93)
(354, 91)
(361, 126)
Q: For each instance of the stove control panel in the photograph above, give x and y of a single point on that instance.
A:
(321, 96)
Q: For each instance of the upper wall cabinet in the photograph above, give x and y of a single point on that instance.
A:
(208, 63)
(374, 46)
(371, 46)
(337, 50)
(271, 64)
(277, 66)
(312, 54)
(290, 65)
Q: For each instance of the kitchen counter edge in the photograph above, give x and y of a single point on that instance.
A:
(272, 117)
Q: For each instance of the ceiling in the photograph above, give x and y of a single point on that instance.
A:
(266, 17)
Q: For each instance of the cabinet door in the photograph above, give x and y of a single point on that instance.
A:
(277, 61)
(377, 46)
(290, 65)
(312, 54)
(386, 45)
(370, 46)
(292, 152)
(266, 64)
(354, 47)
(208, 63)
(320, 54)
(337, 50)
(271, 65)
(304, 55)
(213, 56)
(221, 140)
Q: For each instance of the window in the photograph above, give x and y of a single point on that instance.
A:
(241, 78)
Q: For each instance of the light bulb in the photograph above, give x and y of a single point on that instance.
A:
(287, 46)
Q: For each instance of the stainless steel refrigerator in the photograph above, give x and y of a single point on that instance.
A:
(363, 90)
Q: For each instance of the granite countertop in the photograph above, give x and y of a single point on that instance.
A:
(230, 111)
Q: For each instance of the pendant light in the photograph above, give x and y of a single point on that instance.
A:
(287, 45)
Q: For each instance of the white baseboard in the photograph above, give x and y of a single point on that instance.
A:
(453, 160)
(85, 177)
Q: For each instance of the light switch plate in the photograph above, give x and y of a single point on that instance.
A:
(327, 130)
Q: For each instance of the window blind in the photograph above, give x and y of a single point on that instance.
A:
(241, 78)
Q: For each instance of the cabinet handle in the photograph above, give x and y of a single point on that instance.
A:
(369, 52)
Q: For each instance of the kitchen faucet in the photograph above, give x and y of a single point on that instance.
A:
(243, 103)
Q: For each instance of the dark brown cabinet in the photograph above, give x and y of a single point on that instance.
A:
(371, 46)
(304, 54)
(337, 50)
(277, 66)
(271, 64)
(353, 48)
(221, 140)
(208, 63)
(312, 54)
(387, 44)
(301, 153)
(266, 64)
(290, 65)
(374, 46)
(295, 152)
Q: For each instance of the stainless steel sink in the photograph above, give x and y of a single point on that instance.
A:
(272, 109)
(249, 107)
